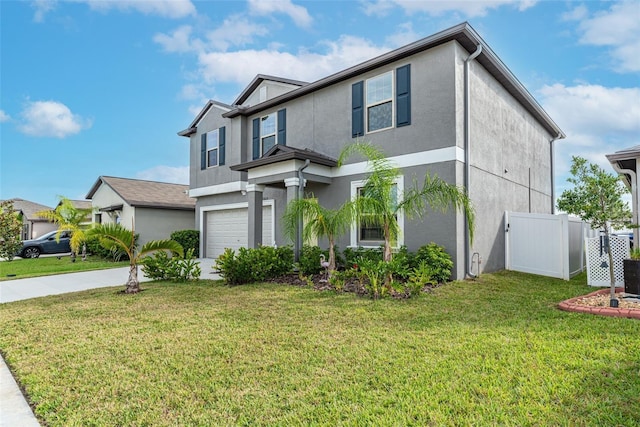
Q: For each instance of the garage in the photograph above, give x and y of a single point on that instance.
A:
(227, 228)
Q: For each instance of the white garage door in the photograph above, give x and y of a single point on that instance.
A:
(228, 229)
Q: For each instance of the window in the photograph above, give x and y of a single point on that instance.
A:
(267, 132)
(367, 235)
(212, 148)
(379, 96)
(381, 102)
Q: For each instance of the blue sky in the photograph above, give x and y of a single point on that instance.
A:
(90, 88)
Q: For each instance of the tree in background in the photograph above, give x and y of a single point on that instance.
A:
(68, 217)
(116, 237)
(10, 230)
(596, 198)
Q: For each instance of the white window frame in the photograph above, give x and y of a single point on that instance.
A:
(217, 148)
(384, 101)
(355, 227)
(274, 134)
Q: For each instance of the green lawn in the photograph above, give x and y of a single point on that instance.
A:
(44, 266)
(496, 351)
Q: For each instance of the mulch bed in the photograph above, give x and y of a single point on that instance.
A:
(598, 303)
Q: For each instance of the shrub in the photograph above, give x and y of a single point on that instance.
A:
(95, 248)
(309, 262)
(189, 239)
(437, 259)
(254, 265)
(352, 256)
(160, 266)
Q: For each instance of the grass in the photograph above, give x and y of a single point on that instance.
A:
(496, 351)
(32, 267)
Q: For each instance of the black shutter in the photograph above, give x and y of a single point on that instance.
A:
(282, 127)
(221, 145)
(203, 151)
(403, 95)
(256, 139)
(357, 109)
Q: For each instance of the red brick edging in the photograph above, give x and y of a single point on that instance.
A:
(570, 305)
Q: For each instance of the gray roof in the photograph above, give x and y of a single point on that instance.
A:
(464, 34)
(259, 79)
(29, 209)
(626, 159)
(79, 204)
(279, 153)
(149, 194)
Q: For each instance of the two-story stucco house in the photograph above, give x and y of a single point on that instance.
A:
(444, 104)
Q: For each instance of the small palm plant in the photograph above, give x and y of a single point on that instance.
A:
(115, 237)
(69, 218)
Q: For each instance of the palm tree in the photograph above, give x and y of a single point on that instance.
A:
(319, 222)
(68, 217)
(116, 237)
(379, 203)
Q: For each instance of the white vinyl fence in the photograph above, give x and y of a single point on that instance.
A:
(545, 244)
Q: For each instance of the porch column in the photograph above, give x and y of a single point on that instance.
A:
(293, 192)
(254, 194)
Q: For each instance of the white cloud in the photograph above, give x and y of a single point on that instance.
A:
(171, 174)
(436, 8)
(298, 14)
(50, 119)
(167, 8)
(617, 28)
(236, 30)
(42, 7)
(242, 66)
(4, 117)
(178, 41)
(597, 121)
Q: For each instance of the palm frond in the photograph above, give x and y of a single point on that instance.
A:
(161, 245)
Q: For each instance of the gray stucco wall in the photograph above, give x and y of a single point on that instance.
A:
(156, 224)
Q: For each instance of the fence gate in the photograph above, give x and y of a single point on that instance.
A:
(598, 260)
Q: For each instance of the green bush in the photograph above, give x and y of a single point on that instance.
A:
(351, 256)
(160, 266)
(437, 259)
(189, 239)
(254, 265)
(95, 248)
(309, 262)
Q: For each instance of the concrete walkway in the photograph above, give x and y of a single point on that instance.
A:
(14, 409)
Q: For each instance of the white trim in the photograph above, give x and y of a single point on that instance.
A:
(205, 209)
(211, 190)
(353, 241)
(292, 182)
(254, 187)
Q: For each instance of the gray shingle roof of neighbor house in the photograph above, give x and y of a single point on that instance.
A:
(79, 204)
(148, 194)
(29, 209)
(463, 34)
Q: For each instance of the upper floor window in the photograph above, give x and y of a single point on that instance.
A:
(268, 131)
(381, 102)
(212, 147)
(379, 98)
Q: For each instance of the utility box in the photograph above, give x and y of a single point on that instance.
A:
(632, 276)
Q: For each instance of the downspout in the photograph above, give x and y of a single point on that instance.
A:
(298, 245)
(467, 165)
(634, 197)
(553, 175)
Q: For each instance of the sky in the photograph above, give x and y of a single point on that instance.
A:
(101, 87)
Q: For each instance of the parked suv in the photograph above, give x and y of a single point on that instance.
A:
(46, 244)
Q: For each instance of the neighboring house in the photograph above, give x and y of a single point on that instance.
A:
(153, 209)
(444, 104)
(32, 225)
(625, 163)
